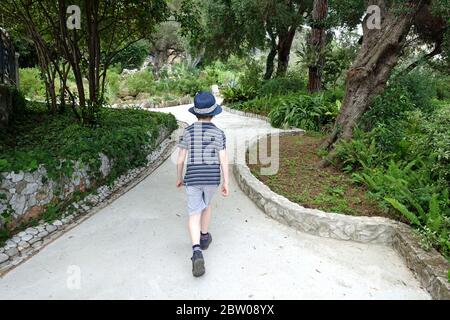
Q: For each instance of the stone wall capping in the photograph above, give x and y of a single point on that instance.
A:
(245, 114)
(29, 242)
(429, 267)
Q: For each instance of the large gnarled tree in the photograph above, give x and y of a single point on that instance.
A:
(378, 55)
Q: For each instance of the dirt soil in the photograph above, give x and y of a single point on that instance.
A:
(301, 180)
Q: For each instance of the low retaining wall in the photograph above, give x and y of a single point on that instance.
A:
(143, 104)
(245, 114)
(25, 194)
(30, 241)
(429, 266)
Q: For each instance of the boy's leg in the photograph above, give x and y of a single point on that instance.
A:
(198, 263)
(195, 208)
(206, 219)
(194, 228)
(205, 237)
(208, 194)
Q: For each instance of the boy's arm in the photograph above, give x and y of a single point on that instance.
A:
(224, 166)
(180, 166)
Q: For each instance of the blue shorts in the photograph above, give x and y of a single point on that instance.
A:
(199, 198)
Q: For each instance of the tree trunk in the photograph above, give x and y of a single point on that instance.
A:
(161, 58)
(72, 54)
(270, 63)
(317, 45)
(53, 96)
(63, 75)
(369, 73)
(92, 7)
(284, 50)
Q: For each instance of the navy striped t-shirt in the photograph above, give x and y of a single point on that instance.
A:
(203, 140)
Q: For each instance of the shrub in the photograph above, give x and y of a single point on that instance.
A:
(388, 107)
(303, 111)
(248, 85)
(261, 106)
(190, 86)
(420, 84)
(252, 76)
(39, 138)
(410, 189)
(237, 94)
(112, 85)
(31, 84)
(443, 88)
(333, 95)
(140, 82)
(282, 86)
(435, 142)
(133, 57)
(359, 152)
(405, 163)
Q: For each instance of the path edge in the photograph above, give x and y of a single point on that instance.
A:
(430, 267)
(167, 147)
(245, 114)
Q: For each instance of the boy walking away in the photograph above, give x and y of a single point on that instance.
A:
(205, 147)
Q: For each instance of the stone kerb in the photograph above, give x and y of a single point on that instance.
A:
(30, 241)
(429, 266)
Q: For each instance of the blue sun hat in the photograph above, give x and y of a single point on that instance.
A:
(205, 105)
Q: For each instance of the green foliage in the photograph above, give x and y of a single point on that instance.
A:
(435, 141)
(31, 84)
(420, 86)
(261, 106)
(388, 107)
(339, 53)
(237, 27)
(141, 81)
(360, 152)
(251, 79)
(250, 84)
(292, 83)
(443, 88)
(403, 158)
(303, 111)
(339, 58)
(190, 86)
(237, 94)
(112, 85)
(401, 152)
(38, 138)
(133, 56)
(177, 82)
(27, 52)
(410, 189)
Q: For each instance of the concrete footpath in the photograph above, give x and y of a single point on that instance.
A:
(139, 248)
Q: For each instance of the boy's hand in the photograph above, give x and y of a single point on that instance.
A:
(225, 190)
(179, 183)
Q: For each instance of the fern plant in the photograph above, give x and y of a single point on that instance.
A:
(300, 111)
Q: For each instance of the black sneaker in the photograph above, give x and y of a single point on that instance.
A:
(204, 244)
(198, 263)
